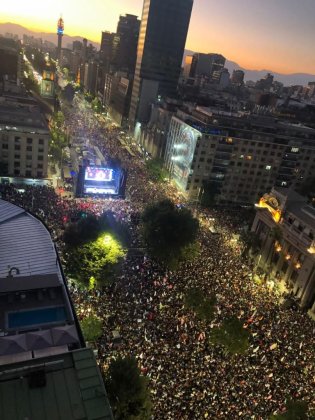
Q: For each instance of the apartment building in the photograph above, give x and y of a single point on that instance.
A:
(290, 257)
(242, 156)
(24, 138)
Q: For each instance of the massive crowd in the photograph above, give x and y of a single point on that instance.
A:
(188, 377)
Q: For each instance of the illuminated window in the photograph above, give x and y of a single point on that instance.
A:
(284, 184)
(249, 157)
(295, 150)
(229, 140)
(268, 168)
(242, 157)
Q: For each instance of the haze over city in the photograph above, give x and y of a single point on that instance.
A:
(276, 35)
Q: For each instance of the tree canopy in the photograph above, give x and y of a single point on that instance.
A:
(156, 170)
(231, 335)
(202, 305)
(91, 327)
(100, 259)
(127, 390)
(295, 410)
(251, 242)
(168, 231)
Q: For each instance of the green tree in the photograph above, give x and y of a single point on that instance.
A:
(59, 138)
(91, 328)
(296, 410)
(251, 242)
(128, 390)
(156, 170)
(97, 105)
(168, 230)
(209, 192)
(100, 259)
(86, 229)
(202, 305)
(231, 335)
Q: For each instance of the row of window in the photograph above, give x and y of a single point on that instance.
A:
(28, 173)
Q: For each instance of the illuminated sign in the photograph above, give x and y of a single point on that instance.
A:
(270, 203)
(98, 174)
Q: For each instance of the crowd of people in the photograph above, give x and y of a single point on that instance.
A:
(189, 378)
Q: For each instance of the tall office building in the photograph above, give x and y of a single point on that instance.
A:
(209, 65)
(238, 77)
(163, 32)
(108, 51)
(128, 33)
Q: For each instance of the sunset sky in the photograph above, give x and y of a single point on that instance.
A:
(258, 34)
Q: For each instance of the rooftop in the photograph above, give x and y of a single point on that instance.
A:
(64, 387)
(248, 127)
(15, 114)
(36, 314)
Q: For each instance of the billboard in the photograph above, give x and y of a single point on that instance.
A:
(183, 154)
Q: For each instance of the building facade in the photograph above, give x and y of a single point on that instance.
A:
(289, 257)
(241, 156)
(128, 33)
(24, 140)
(163, 32)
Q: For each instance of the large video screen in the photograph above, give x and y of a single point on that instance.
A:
(103, 181)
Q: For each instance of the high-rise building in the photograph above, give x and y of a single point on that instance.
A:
(187, 66)
(238, 77)
(60, 29)
(163, 32)
(108, 51)
(128, 33)
(217, 63)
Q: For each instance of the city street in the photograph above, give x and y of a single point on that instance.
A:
(190, 379)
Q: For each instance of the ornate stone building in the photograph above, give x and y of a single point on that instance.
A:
(285, 223)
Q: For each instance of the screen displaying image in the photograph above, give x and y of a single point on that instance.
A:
(101, 181)
(98, 174)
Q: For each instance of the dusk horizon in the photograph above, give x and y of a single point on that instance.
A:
(254, 35)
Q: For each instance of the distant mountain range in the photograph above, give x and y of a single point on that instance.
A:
(254, 75)
(19, 30)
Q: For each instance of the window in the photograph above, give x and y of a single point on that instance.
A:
(17, 156)
(5, 146)
(29, 148)
(28, 173)
(40, 166)
(268, 168)
(29, 140)
(29, 157)
(39, 174)
(17, 139)
(16, 172)
(40, 158)
(17, 147)
(16, 164)
(40, 141)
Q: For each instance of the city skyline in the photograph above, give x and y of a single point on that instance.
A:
(258, 35)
